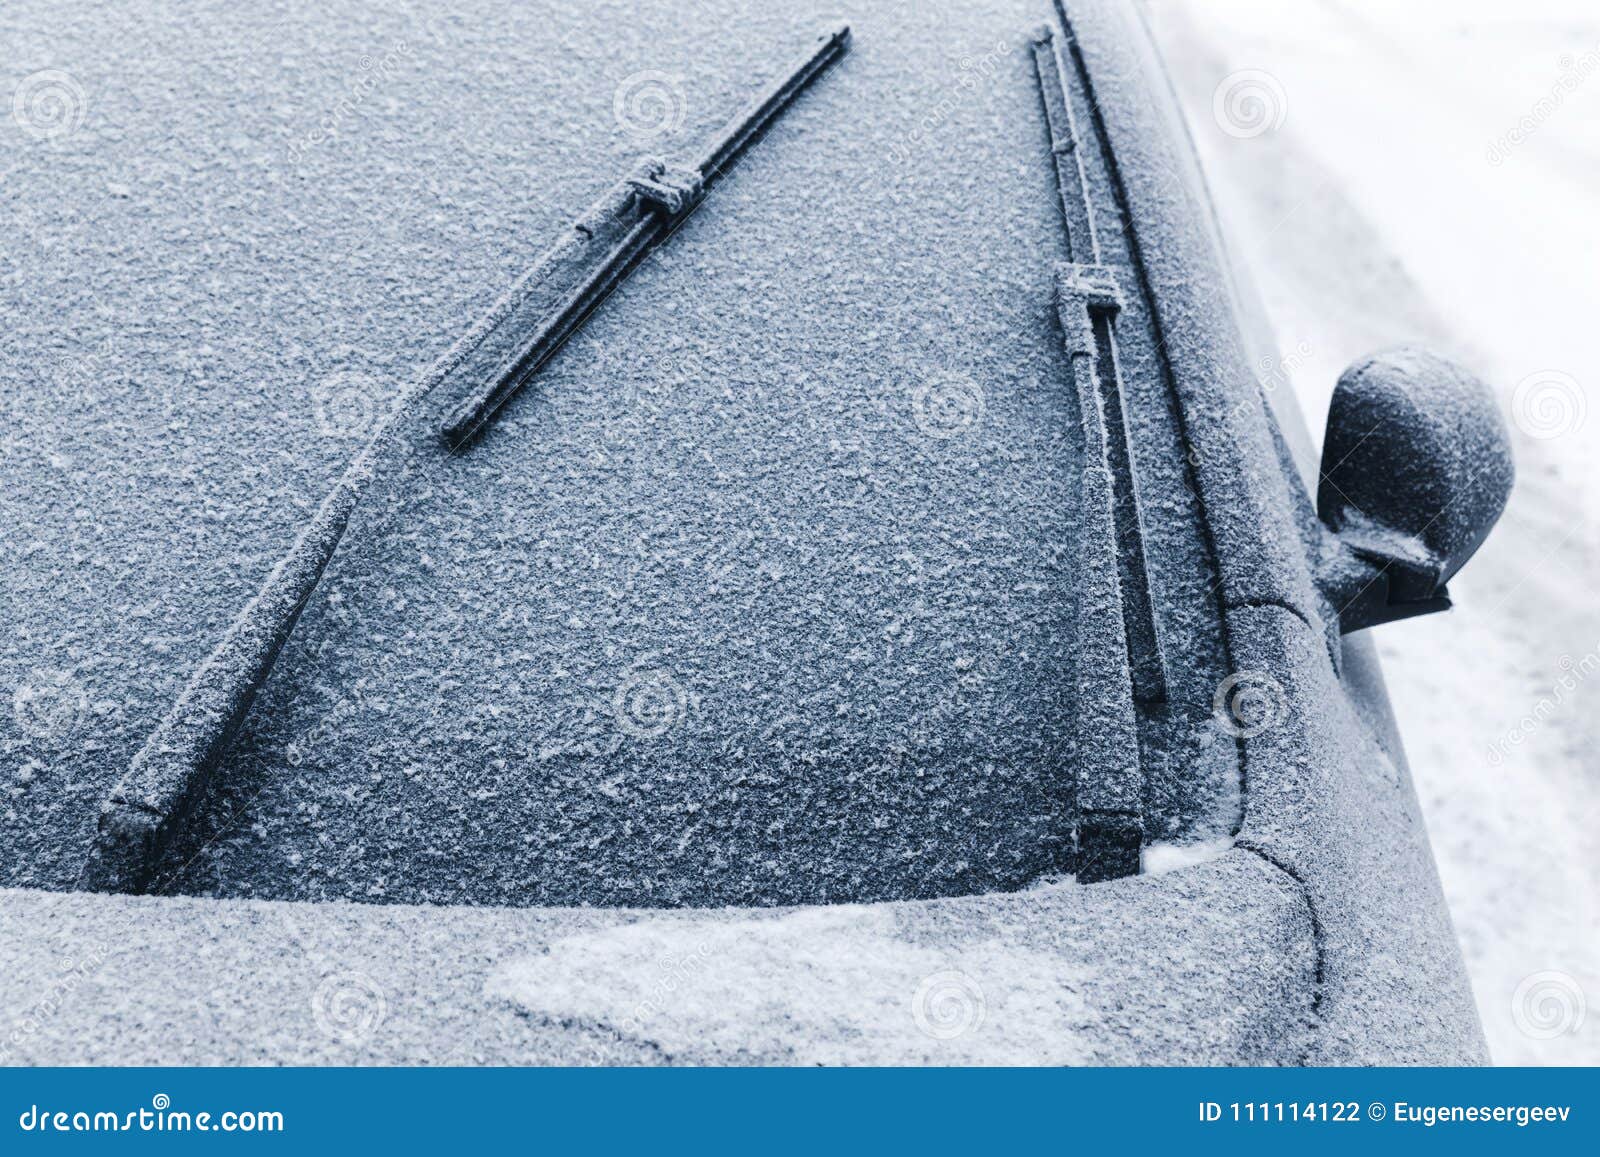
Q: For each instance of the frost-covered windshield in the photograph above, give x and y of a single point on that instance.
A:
(762, 593)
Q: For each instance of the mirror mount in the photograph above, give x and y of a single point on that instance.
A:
(1365, 585)
(1416, 468)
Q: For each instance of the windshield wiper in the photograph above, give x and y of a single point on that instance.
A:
(651, 203)
(1121, 673)
(146, 807)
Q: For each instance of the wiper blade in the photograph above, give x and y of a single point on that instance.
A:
(1121, 673)
(145, 808)
(661, 197)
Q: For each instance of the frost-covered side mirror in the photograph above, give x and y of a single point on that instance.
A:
(1416, 468)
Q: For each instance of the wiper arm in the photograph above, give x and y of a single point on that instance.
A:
(146, 807)
(662, 197)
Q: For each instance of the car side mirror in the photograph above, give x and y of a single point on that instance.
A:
(1416, 468)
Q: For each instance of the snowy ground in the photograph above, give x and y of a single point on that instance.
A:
(1429, 171)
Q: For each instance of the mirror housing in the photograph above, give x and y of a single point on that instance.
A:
(1416, 468)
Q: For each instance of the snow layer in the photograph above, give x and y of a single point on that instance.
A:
(1386, 199)
(759, 594)
(702, 989)
(1121, 973)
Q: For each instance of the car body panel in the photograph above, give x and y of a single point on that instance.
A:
(1037, 977)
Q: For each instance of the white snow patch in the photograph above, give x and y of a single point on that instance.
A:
(1162, 857)
(837, 985)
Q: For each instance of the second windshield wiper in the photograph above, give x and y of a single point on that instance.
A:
(638, 213)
